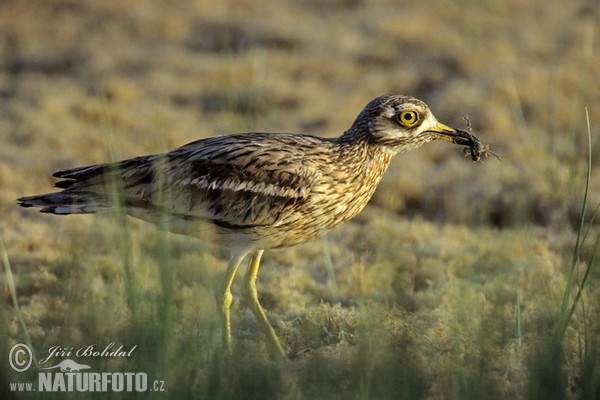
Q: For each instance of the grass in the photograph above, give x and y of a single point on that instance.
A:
(404, 336)
(470, 284)
(547, 369)
(410, 331)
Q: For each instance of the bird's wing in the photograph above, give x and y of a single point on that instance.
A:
(235, 181)
(239, 181)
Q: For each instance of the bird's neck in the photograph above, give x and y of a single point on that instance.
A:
(358, 144)
(367, 160)
(355, 135)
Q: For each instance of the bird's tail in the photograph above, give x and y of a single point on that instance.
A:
(92, 188)
(66, 202)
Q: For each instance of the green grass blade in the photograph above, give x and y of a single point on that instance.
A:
(567, 312)
(13, 294)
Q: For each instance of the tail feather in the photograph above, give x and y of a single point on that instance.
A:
(86, 189)
(89, 173)
(63, 203)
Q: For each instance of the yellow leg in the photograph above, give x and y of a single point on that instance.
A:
(227, 298)
(251, 296)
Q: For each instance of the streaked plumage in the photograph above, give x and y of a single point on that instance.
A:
(255, 191)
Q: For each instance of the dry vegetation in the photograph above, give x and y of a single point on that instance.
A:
(449, 284)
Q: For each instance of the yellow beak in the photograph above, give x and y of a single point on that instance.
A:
(456, 136)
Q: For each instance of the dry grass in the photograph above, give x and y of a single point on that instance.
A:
(449, 285)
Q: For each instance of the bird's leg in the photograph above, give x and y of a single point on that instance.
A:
(227, 298)
(251, 296)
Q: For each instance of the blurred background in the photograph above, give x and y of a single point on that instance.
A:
(163, 73)
(85, 81)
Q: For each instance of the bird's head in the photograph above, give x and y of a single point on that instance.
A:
(400, 123)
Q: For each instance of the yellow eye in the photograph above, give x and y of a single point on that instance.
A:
(408, 118)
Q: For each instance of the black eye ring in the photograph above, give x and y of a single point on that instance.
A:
(408, 118)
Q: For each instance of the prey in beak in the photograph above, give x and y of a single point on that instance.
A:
(475, 148)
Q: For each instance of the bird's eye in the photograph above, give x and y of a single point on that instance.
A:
(408, 118)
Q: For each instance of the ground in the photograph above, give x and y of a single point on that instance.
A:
(450, 284)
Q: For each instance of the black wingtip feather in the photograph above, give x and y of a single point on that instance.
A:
(64, 184)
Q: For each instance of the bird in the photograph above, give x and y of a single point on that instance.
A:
(254, 191)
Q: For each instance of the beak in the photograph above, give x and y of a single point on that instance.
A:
(456, 136)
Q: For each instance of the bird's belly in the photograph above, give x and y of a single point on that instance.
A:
(297, 223)
(312, 221)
